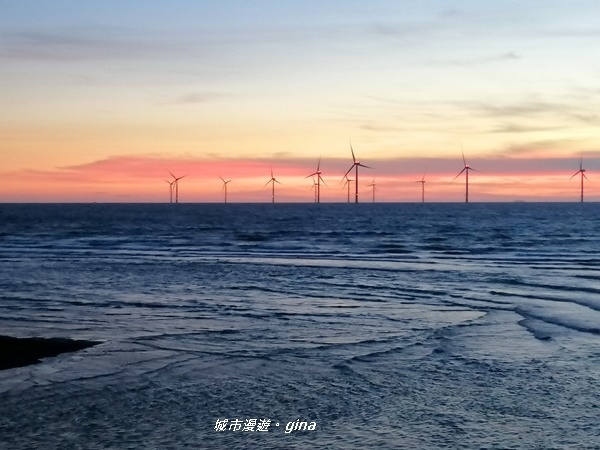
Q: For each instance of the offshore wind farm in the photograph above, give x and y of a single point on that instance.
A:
(317, 179)
(194, 255)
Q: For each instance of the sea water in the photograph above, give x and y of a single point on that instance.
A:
(392, 326)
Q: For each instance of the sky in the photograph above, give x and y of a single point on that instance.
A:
(101, 101)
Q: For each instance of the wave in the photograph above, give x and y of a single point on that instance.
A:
(582, 324)
(589, 303)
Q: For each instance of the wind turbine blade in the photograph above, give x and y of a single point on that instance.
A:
(362, 165)
(276, 181)
(463, 155)
(352, 150)
(576, 173)
(459, 174)
(321, 178)
(470, 168)
(584, 176)
(580, 162)
(172, 174)
(267, 183)
(311, 175)
(346, 174)
(222, 179)
(319, 164)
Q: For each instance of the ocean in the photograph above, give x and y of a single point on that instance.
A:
(304, 326)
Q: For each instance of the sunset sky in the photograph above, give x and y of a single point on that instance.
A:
(100, 100)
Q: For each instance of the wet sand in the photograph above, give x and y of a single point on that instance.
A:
(19, 352)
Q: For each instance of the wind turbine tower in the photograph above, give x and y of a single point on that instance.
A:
(170, 190)
(176, 182)
(466, 169)
(422, 181)
(355, 166)
(347, 183)
(317, 181)
(373, 186)
(314, 187)
(582, 172)
(272, 181)
(225, 183)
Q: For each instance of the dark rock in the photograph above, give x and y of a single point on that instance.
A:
(18, 352)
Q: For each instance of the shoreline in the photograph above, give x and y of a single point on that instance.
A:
(21, 352)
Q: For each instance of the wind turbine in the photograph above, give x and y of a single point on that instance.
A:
(225, 183)
(355, 166)
(176, 182)
(317, 173)
(582, 172)
(465, 169)
(347, 183)
(170, 190)
(373, 185)
(422, 181)
(273, 181)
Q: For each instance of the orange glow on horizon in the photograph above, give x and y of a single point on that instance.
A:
(143, 179)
